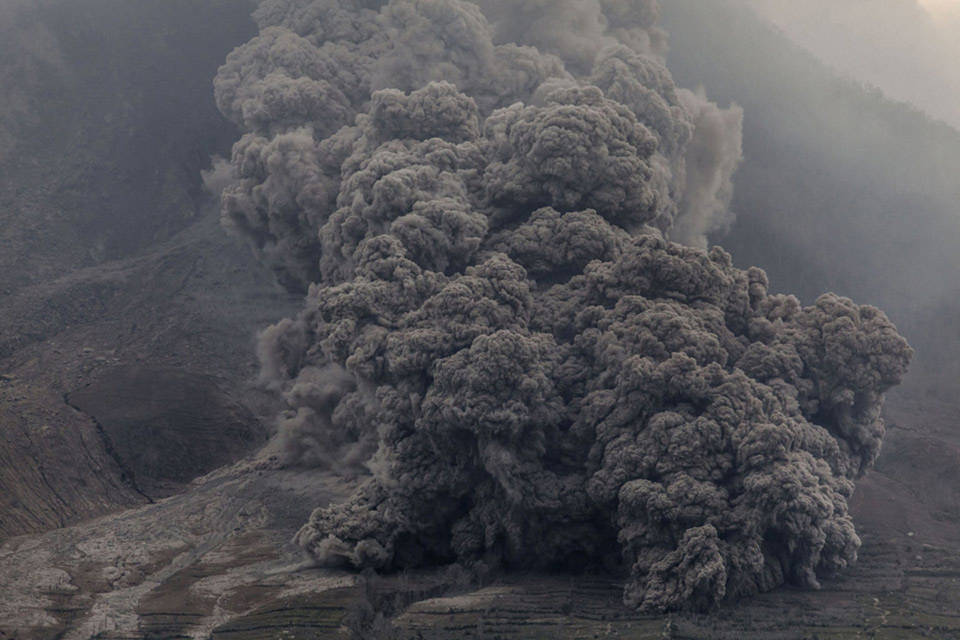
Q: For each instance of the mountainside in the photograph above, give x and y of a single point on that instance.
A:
(900, 46)
(841, 188)
(127, 316)
(108, 122)
(134, 502)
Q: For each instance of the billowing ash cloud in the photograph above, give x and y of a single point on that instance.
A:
(476, 197)
(300, 86)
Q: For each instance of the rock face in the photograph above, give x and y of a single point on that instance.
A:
(52, 467)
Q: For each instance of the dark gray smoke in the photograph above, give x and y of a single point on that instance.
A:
(476, 197)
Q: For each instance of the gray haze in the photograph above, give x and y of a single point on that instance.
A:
(841, 188)
(896, 45)
(477, 199)
(29, 52)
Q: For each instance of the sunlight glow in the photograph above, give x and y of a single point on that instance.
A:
(941, 7)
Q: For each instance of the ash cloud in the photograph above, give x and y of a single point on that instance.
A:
(478, 200)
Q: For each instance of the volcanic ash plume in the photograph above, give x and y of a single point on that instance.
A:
(498, 331)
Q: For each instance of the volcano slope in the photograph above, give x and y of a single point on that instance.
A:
(824, 198)
(117, 290)
(216, 561)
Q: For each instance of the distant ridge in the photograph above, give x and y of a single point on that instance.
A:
(841, 188)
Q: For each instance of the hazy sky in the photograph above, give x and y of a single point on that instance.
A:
(942, 8)
(907, 48)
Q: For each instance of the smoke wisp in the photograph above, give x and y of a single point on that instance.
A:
(478, 199)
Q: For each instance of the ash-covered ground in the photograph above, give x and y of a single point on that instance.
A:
(521, 393)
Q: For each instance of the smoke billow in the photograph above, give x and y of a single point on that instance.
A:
(477, 198)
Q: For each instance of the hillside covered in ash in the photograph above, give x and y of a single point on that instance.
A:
(126, 316)
(519, 386)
